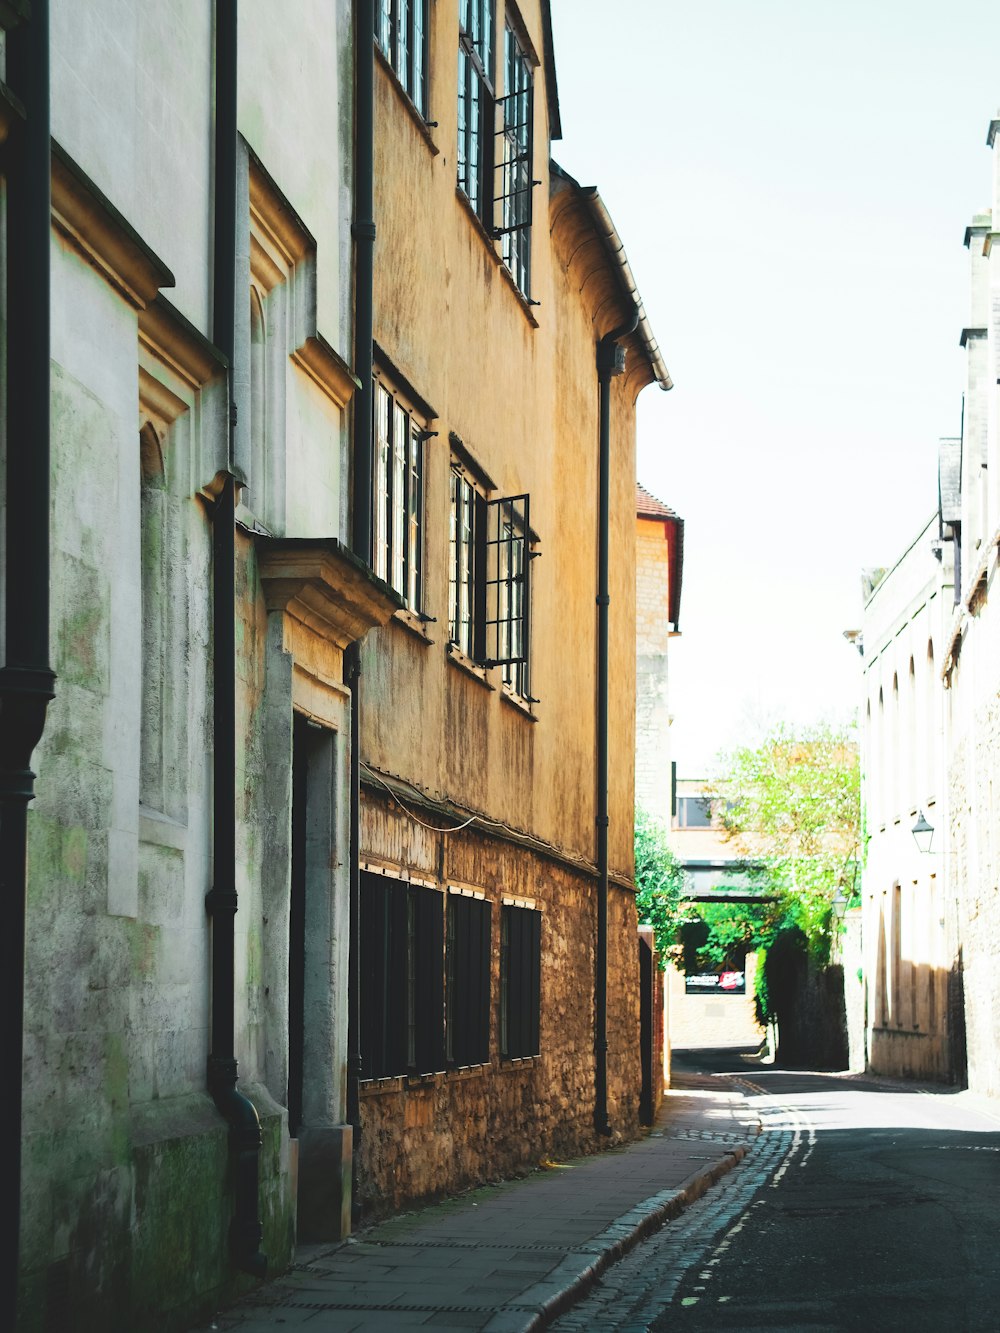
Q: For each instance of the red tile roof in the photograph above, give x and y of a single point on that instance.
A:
(649, 506)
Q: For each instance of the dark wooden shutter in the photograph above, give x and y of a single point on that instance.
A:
(373, 943)
(469, 1014)
(534, 989)
(524, 982)
(430, 981)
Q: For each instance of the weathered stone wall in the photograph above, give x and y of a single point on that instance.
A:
(975, 853)
(421, 1138)
(126, 1178)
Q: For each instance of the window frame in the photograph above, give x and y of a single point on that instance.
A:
(514, 162)
(402, 35)
(520, 981)
(398, 482)
(489, 578)
(476, 105)
(468, 967)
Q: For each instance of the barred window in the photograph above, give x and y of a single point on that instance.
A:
(514, 162)
(520, 981)
(401, 33)
(397, 496)
(468, 980)
(476, 105)
(467, 518)
(507, 584)
(402, 947)
(489, 593)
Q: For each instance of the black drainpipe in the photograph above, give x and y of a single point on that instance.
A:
(610, 362)
(27, 682)
(246, 1231)
(363, 231)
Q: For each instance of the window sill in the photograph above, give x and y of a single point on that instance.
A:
(471, 668)
(414, 623)
(518, 1062)
(469, 1071)
(518, 702)
(423, 129)
(159, 829)
(376, 1087)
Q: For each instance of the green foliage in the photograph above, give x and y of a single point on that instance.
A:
(720, 935)
(761, 992)
(791, 804)
(660, 879)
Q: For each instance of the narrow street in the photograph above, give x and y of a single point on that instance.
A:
(863, 1205)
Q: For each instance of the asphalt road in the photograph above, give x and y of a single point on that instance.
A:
(863, 1205)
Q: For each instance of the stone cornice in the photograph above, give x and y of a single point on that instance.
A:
(92, 224)
(327, 369)
(274, 214)
(970, 335)
(992, 134)
(318, 582)
(174, 340)
(981, 225)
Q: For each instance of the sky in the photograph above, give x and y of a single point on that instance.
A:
(792, 181)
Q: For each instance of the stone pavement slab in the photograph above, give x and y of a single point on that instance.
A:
(510, 1258)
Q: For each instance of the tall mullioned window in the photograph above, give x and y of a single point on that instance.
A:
(401, 33)
(467, 509)
(514, 163)
(397, 496)
(489, 589)
(475, 105)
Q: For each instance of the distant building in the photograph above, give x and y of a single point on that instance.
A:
(909, 926)
(715, 1009)
(659, 572)
(970, 661)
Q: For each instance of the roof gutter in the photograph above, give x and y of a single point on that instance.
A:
(616, 252)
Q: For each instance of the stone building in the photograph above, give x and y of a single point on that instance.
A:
(300, 914)
(970, 661)
(712, 1010)
(497, 899)
(909, 925)
(185, 1030)
(659, 574)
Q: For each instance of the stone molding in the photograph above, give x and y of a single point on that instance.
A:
(104, 237)
(283, 252)
(327, 369)
(320, 584)
(172, 340)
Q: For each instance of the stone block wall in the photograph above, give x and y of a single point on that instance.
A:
(426, 1137)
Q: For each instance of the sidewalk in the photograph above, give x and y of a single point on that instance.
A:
(510, 1257)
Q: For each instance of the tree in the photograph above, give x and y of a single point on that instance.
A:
(659, 877)
(791, 803)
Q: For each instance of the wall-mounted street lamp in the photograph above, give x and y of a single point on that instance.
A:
(923, 833)
(840, 903)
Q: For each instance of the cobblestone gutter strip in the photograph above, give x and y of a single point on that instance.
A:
(570, 1280)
